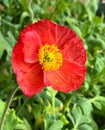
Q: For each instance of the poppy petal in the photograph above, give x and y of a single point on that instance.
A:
(74, 51)
(31, 82)
(63, 35)
(31, 42)
(52, 33)
(69, 77)
(47, 31)
(17, 59)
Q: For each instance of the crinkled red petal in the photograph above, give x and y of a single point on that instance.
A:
(74, 51)
(31, 82)
(52, 33)
(17, 59)
(63, 35)
(31, 42)
(47, 31)
(69, 77)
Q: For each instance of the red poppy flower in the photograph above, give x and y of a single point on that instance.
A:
(47, 54)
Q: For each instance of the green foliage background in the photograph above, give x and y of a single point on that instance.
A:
(83, 109)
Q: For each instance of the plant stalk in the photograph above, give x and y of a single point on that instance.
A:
(9, 100)
(53, 93)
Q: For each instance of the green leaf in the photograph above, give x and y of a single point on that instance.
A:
(85, 28)
(98, 20)
(11, 39)
(2, 106)
(91, 7)
(4, 75)
(6, 45)
(78, 116)
(63, 119)
(86, 106)
(2, 44)
(100, 40)
(6, 3)
(11, 120)
(24, 4)
(48, 121)
(77, 30)
(1, 48)
(57, 125)
(99, 64)
(23, 16)
(53, 122)
(85, 127)
(98, 101)
(97, 104)
(79, 10)
(36, 109)
(24, 125)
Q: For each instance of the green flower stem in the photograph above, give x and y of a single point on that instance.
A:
(53, 93)
(53, 103)
(31, 11)
(10, 98)
(22, 106)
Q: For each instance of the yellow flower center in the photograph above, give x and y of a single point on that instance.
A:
(50, 58)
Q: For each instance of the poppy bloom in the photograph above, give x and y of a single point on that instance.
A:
(47, 54)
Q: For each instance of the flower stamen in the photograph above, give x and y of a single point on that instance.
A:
(50, 58)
